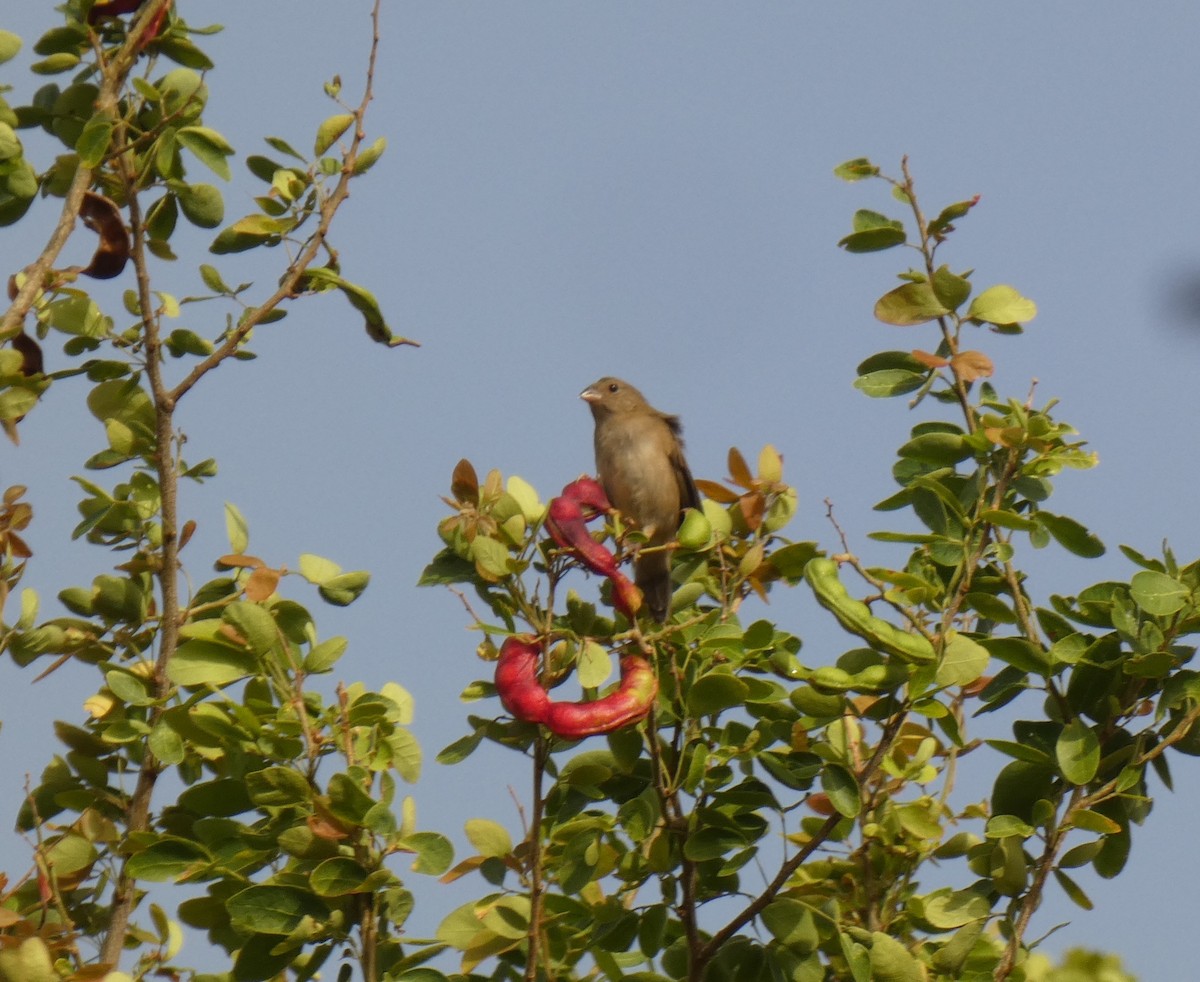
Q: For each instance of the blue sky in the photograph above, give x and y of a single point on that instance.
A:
(645, 189)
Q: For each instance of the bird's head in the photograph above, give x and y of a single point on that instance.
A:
(612, 395)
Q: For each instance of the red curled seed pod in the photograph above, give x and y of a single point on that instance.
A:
(102, 217)
(588, 491)
(566, 523)
(114, 8)
(628, 703)
(517, 680)
(522, 694)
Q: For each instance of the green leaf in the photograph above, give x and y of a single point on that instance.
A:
(182, 51)
(70, 854)
(937, 448)
(1019, 653)
(1003, 826)
(279, 910)
(1073, 890)
(337, 877)
(433, 850)
(708, 842)
(167, 858)
(491, 558)
(1002, 305)
(197, 662)
(593, 665)
(212, 279)
(858, 959)
(16, 402)
(160, 220)
(201, 204)
(963, 661)
(952, 213)
(712, 693)
(367, 156)
(947, 909)
(1072, 536)
(950, 288)
(94, 141)
(446, 567)
(1093, 821)
(874, 240)
(1021, 751)
(791, 923)
(322, 657)
(1078, 752)
(840, 785)
(489, 838)
(209, 147)
(341, 591)
(856, 169)
(236, 528)
(329, 131)
(910, 304)
(362, 300)
(1157, 593)
(64, 61)
(166, 745)
(182, 342)
(318, 569)
(952, 956)
(249, 233)
(220, 798)
(255, 624)
(10, 44)
(78, 316)
(892, 962)
(1081, 854)
(889, 382)
(1008, 519)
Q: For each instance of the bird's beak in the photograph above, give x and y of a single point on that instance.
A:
(589, 395)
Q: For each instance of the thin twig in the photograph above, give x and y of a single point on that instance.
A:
(760, 903)
(289, 285)
(113, 75)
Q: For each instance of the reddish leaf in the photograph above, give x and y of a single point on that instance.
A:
(31, 354)
(738, 469)
(930, 360)
(753, 507)
(819, 802)
(186, 532)
(970, 365)
(237, 560)
(464, 483)
(261, 583)
(717, 492)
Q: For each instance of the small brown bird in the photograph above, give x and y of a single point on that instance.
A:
(639, 456)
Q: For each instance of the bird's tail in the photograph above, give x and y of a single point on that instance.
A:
(652, 573)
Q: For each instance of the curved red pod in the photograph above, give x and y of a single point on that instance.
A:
(522, 694)
(588, 491)
(517, 681)
(566, 523)
(114, 8)
(628, 703)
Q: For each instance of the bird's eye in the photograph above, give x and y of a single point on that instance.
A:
(613, 387)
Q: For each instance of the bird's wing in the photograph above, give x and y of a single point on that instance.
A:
(689, 497)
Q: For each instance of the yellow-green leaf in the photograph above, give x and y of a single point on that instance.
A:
(1002, 305)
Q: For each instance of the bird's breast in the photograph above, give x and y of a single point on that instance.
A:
(639, 479)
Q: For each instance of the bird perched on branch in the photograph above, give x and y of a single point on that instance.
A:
(639, 457)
